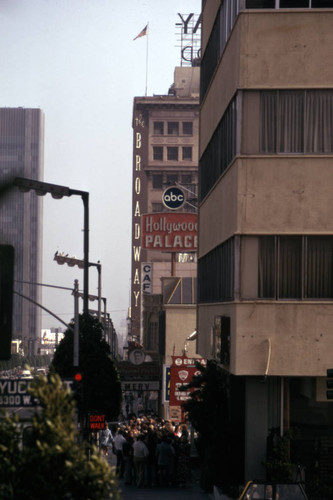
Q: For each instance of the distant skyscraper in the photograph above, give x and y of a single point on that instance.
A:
(22, 154)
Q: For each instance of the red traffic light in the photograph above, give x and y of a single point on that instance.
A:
(78, 377)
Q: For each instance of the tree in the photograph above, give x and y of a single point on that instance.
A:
(52, 463)
(278, 465)
(208, 412)
(101, 387)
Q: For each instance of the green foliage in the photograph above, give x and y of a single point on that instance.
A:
(52, 463)
(278, 464)
(10, 454)
(208, 412)
(101, 382)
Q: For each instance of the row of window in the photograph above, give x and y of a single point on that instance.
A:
(173, 128)
(220, 150)
(173, 153)
(289, 122)
(225, 20)
(276, 267)
(161, 181)
(187, 207)
(289, 4)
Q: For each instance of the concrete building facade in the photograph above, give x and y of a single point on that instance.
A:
(165, 149)
(22, 154)
(265, 257)
(163, 282)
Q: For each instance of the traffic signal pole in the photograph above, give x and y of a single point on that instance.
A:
(76, 324)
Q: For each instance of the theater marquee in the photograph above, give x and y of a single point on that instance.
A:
(170, 232)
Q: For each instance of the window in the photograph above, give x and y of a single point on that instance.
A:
(296, 121)
(319, 262)
(260, 4)
(157, 152)
(220, 150)
(187, 128)
(157, 207)
(288, 4)
(172, 153)
(157, 181)
(171, 179)
(287, 267)
(186, 178)
(187, 153)
(173, 128)
(216, 274)
(158, 128)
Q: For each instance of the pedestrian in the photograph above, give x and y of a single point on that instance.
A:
(128, 458)
(119, 441)
(151, 465)
(183, 475)
(106, 439)
(165, 454)
(140, 454)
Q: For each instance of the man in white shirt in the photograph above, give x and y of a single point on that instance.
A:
(118, 442)
(140, 454)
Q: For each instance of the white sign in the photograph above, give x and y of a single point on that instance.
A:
(147, 277)
(151, 385)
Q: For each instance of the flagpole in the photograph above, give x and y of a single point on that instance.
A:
(147, 60)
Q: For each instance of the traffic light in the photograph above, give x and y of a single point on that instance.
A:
(78, 386)
(329, 383)
(6, 299)
(78, 377)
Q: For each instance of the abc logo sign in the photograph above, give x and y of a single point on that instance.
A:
(173, 198)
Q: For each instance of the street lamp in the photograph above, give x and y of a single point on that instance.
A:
(57, 192)
(61, 259)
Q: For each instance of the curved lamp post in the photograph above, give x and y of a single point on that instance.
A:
(58, 192)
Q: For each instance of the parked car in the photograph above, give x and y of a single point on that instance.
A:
(260, 490)
(41, 371)
(26, 375)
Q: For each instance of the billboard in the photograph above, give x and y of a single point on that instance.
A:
(182, 371)
(170, 232)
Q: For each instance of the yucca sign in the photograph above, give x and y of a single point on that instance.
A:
(170, 232)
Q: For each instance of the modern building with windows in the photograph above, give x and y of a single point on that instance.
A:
(165, 154)
(265, 259)
(22, 154)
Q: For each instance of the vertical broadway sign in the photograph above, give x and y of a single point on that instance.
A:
(139, 206)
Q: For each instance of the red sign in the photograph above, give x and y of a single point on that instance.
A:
(182, 371)
(170, 232)
(96, 422)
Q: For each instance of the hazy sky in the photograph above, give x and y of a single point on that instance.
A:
(77, 61)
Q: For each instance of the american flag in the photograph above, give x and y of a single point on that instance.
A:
(142, 33)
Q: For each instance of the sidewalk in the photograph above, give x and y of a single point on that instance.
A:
(192, 492)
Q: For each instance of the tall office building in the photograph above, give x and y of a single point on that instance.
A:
(22, 154)
(265, 282)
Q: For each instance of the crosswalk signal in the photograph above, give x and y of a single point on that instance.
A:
(6, 299)
(329, 383)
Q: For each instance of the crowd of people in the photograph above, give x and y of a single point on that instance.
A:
(150, 452)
